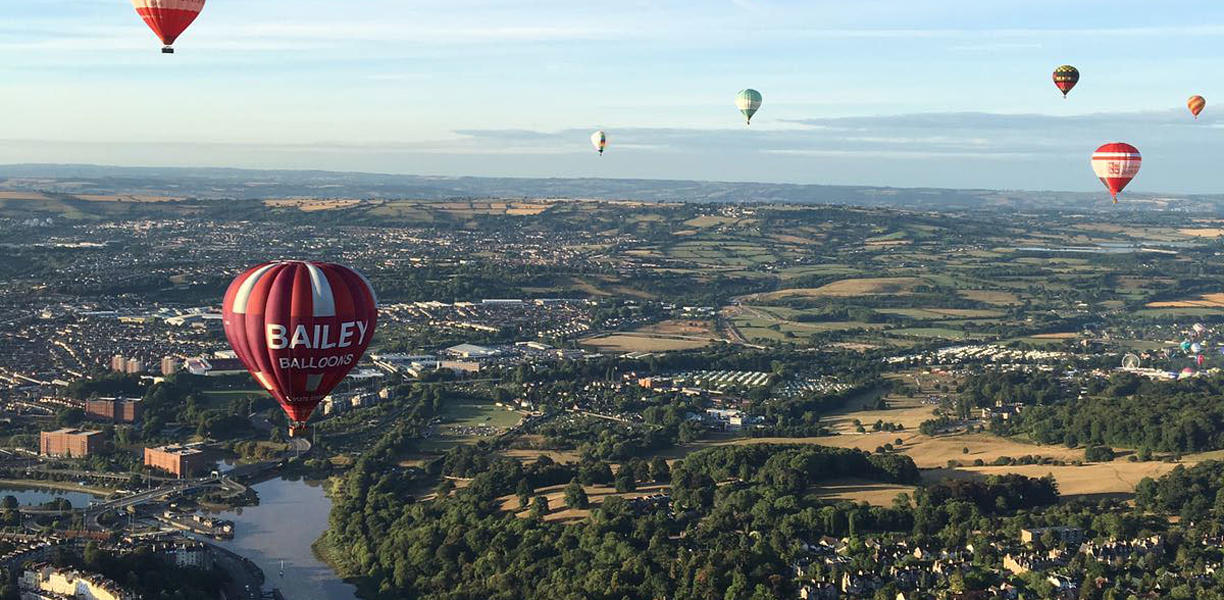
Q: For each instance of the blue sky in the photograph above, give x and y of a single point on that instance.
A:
(944, 93)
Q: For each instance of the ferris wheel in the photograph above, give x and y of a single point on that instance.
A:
(1130, 361)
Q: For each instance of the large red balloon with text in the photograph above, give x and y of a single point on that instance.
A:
(168, 18)
(299, 327)
(1116, 164)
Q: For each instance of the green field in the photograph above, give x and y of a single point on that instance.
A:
(465, 413)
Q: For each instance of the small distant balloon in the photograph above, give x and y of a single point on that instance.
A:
(748, 102)
(1116, 164)
(599, 139)
(1196, 104)
(1185, 346)
(1199, 359)
(1065, 77)
(1195, 348)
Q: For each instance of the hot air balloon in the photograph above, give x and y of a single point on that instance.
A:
(1065, 77)
(1186, 373)
(600, 140)
(1195, 348)
(1116, 164)
(1185, 346)
(168, 18)
(1199, 360)
(748, 102)
(1198, 328)
(1196, 104)
(299, 327)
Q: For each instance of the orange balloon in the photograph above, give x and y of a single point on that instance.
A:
(1196, 104)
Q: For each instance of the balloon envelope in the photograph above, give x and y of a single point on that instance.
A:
(600, 140)
(1196, 105)
(1116, 164)
(299, 328)
(168, 18)
(748, 102)
(1065, 77)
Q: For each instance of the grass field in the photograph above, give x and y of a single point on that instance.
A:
(932, 332)
(596, 494)
(999, 298)
(846, 288)
(467, 414)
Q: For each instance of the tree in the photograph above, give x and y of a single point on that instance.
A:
(659, 471)
(624, 481)
(576, 496)
(539, 507)
(9, 502)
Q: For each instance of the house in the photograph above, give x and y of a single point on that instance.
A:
(1066, 535)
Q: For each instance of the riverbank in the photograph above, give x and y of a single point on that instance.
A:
(63, 486)
(333, 557)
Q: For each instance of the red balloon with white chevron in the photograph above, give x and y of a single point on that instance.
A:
(299, 327)
(1116, 164)
(168, 18)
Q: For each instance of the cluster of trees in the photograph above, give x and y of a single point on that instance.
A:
(601, 439)
(996, 493)
(1125, 411)
(1192, 492)
(738, 515)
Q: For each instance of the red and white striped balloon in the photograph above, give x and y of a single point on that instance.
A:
(168, 18)
(299, 327)
(1116, 164)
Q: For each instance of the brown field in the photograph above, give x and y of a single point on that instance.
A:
(1117, 478)
(691, 327)
(860, 490)
(1205, 233)
(557, 510)
(641, 342)
(312, 205)
(23, 196)
(1069, 335)
(906, 411)
(1204, 301)
(127, 198)
(847, 287)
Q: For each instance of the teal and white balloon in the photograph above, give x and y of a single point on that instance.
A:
(748, 102)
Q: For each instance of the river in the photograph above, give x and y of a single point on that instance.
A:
(291, 515)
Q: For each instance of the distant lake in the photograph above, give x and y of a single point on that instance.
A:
(37, 496)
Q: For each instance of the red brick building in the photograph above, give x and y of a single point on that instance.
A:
(68, 442)
(116, 410)
(177, 460)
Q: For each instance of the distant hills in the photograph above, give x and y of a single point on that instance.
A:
(214, 183)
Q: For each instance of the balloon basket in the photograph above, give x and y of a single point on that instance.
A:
(298, 429)
(167, 50)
